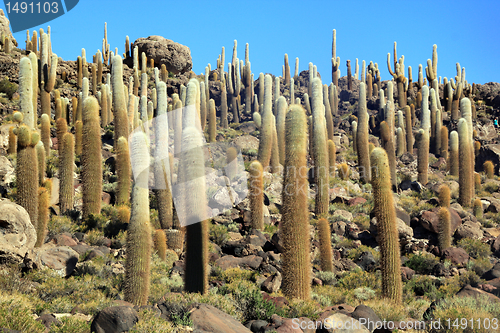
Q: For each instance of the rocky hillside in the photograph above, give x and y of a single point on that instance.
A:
(80, 252)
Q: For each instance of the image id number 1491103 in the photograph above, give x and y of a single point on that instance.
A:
(32, 7)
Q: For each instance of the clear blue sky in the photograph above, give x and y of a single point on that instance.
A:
(467, 32)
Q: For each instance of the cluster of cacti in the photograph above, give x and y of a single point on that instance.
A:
(390, 262)
(295, 217)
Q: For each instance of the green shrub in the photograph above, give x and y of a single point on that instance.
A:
(475, 248)
(422, 285)
(218, 234)
(60, 224)
(16, 317)
(328, 278)
(359, 278)
(422, 263)
(364, 293)
(71, 325)
(150, 322)
(8, 87)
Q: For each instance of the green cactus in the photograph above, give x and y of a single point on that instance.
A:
(444, 196)
(137, 263)
(66, 170)
(362, 136)
(489, 169)
(444, 142)
(325, 245)
(280, 127)
(423, 156)
(295, 216)
(160, 244)
(390, 261)
(194, 206)
(320, 149)
(477, 208)
(332, 151)
(212, 121)
(26, 92)
(91, 164)
(266, 133)
(119, 105)
(256, 195)
(388, 145)
(27, 172)
(465, 174)
(444, 235)
(453, 158)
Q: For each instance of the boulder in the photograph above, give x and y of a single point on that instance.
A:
(114, 319)
(469, 229)
(335, 322)
(7, 171)
(175, 57)
(404, 230)
(62, 259)
(272, 284)
(251, 261)
(456, 255)
(207, 318)
(469, 291)
(17, 234)
(430, 221)
(5, 29)
(366, 316)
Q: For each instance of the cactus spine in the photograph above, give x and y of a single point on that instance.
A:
(325, 245)
(295, 219)
(385, 213)
(66, 162)
(362, 136)
(464, 164)
(27, 172)
(444, 236)
(320, 149)
(256, 195)
(91, 158)
(137, 263)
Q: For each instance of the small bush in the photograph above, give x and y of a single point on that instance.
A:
(422, 263)
(359, 278)
(422, 285)
(364, 293)
(475, 248)
(150, 322)
(8, 87)
(60, 224)
(328, 278)
(218, 234)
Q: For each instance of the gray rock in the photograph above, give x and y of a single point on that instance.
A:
(469, 229)
(272, 284)
(114, 319)
(404, 230)
(62, 259)
(17, 234)
(251, 261)
(207, 318)
(176, 57)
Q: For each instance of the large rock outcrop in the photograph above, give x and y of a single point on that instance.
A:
(176, 57)
(17, 234)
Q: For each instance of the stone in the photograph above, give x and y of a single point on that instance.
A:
(407, 273)
(64, 240)
(366, 261)
(469, 291)
(7, 171)
(209, 319)
(334, 322)
(404, 230)
(175, 57)
(230, 261)
(5, 30)
(430, 221)
(48, 319)
(62, 259)
(114, 319)
(356, 201)
(469, 229)
(17, 234)
(272, 284)
(456, 255)
(342, 215)
(366, 316)
(493, 273)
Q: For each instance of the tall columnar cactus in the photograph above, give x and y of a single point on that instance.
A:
(354, 132)
(265, 143)
(362, 136)
(194, 202)
(390, 261)
(40, 153)
(332, 151)
(443, 150)
(274, 163)
(27, 172)
(423, 156)
(123, 172)
(320, 149)
(212, 121)
(388, 145)
(398, 75)
(335, 60)
(477, 208)
(160, 244)
(12, 141)
(119, 104)
(137, 263)
(456, 100)
(325, 245)
(280, 127)
(400, 142)
(223, 104)
(43, 215)
(66, 162)
(295, 216)
(444, 235)
(61, 129)
(453, 158)
(465, 109)
(489, 169)
(465, 174)
(26, 92)
(444, 196)
(91, 158)
(256, 195)
(328, 113)
(231, 162)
